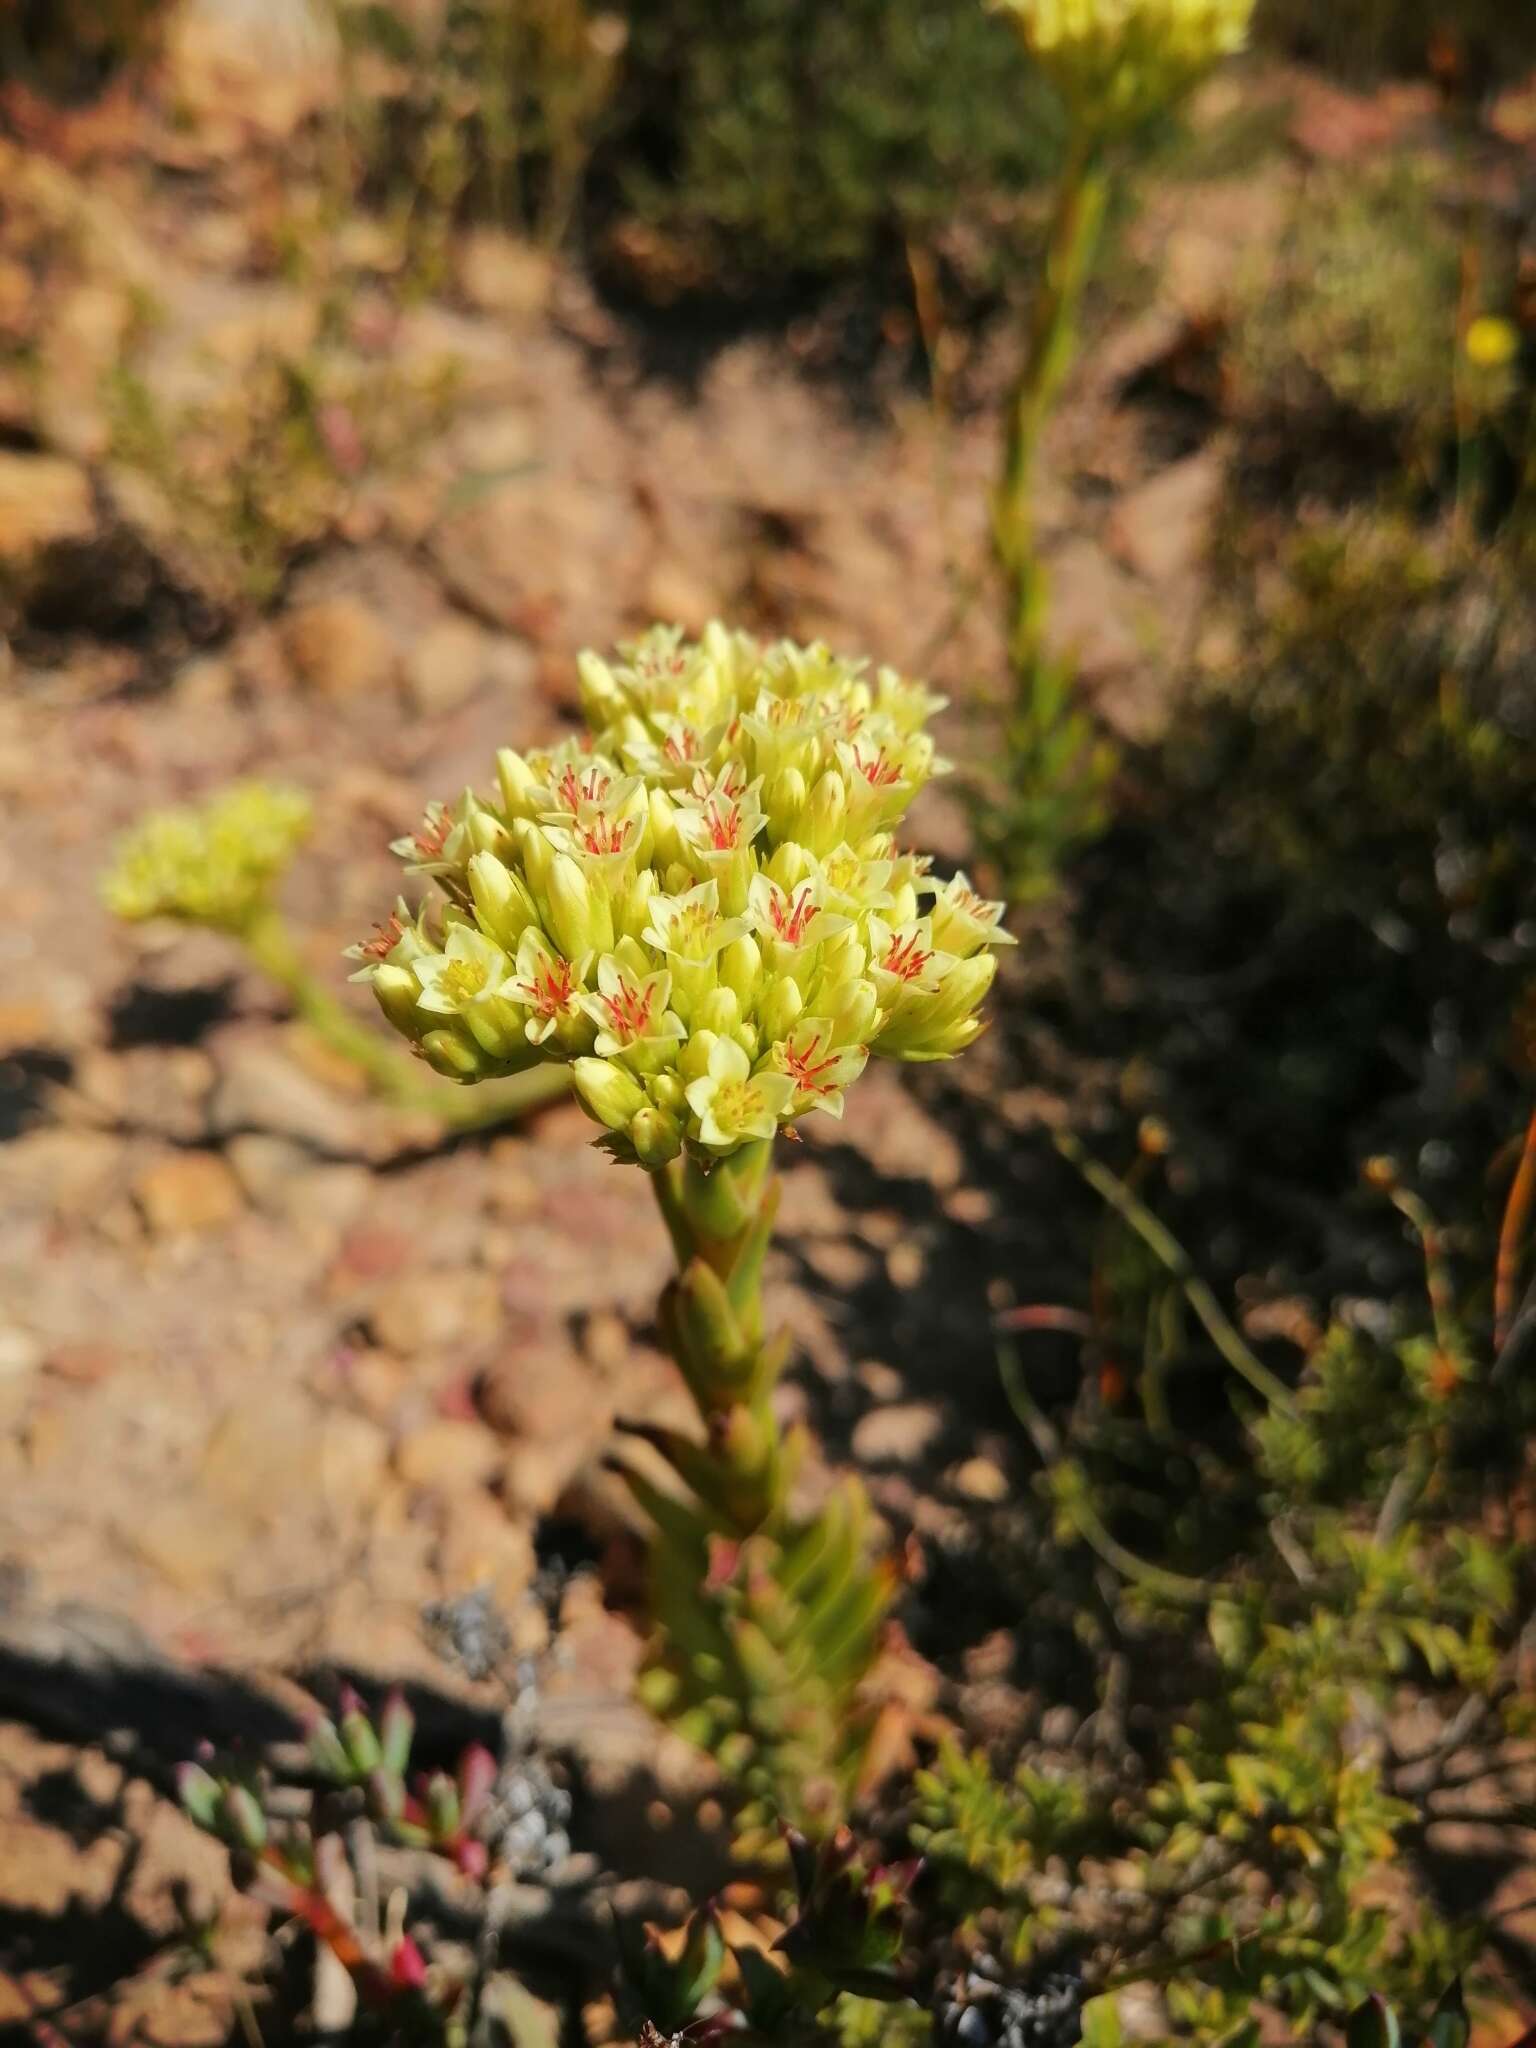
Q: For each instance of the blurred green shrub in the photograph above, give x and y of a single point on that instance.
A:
(479, 106)
(784, 140)
(1359, 312)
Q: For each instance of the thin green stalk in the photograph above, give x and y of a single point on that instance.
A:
(1077, 1504)
(1076, 227)
(1164, 1246)
(270, 945)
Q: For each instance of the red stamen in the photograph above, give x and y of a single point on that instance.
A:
(792, 920)
(433, 836)
(724, 826)
(386, 938)
(878, 773)
(906, 958)
(551, 988)
(605, 835)
(807, 1070)
(630, 1011)
(574, 790)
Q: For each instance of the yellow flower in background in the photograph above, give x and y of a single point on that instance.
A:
(701, 906)
(1491, 343)
(215, 864)
(1116, 62)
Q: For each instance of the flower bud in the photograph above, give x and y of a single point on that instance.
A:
(656, 1137)
(579, 918)
(608, 1094)
(780, 1007)
(824, 814)
(740, 965)
(502, 904)
(396, 990)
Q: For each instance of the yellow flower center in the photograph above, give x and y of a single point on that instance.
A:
(463, 979)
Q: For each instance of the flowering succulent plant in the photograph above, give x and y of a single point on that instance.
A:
(701, 910)
(1115, 62)
(700, 907)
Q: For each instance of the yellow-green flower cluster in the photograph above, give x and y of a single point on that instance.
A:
(700, 906)
(1116, 62)
(214, 864)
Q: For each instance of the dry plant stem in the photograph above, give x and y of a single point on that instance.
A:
(1517, 1216)
(270, 944)
(1166, 1247)
(1074, 238)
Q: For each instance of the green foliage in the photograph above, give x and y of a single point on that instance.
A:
(487, 107)
(1326, 321)
(782, 139)
(843, 1944)
(986, 1837)
(289, 1845)
(1052, 795)
(766, 1618)
(268, 464)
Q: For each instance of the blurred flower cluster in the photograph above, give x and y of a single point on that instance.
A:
(213, 865)
(1116, 62)
(700, 906)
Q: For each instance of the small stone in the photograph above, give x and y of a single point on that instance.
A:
(1160, 529)
(436, 1310)
(446, 666)
(70, 1171)
(44, 502)
(260, 1089)
(896, 1435)
(675, 595)
(20, 1352)
(538, 1471)
(482, 1546)
(25, 1021)
(904, 1263)
(445, 1455)
(500, 275)
(979, 1479)
(354, 1458)
(84, 1364)
(547, 1394)
(184, 1192)
(185, 1542)
(339, 648)
(1059, 1726)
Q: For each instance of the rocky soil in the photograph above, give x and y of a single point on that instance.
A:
(280, 1369)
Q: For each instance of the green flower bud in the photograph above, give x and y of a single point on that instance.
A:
(396, 990)
(609, 1095)
(656, 1137)
(503, 905)
(579, 919)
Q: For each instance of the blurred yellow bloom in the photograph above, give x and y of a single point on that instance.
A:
(213, 865)
(1491, 343)
(1116, 62)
